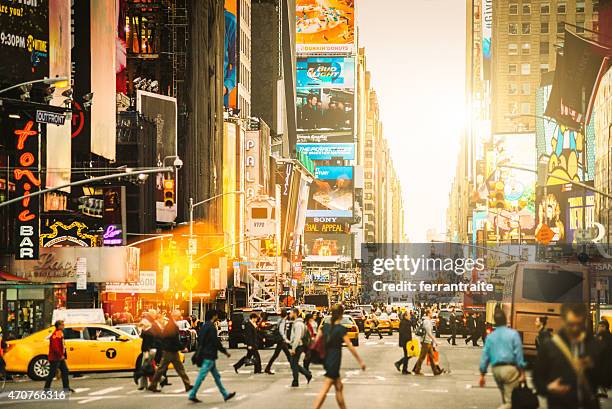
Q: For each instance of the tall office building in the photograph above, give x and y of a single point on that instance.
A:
(525, 37)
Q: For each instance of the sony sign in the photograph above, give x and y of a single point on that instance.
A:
(251, 166)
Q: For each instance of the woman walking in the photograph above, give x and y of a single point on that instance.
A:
(335, 335)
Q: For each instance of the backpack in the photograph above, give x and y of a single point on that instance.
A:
(306, 338)
(420, 330)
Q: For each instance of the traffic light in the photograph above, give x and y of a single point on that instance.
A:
(168, 192)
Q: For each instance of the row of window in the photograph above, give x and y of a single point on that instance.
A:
(513, 28)
(513, 8)
(525, 108)
(525, 88)
(525, 68)
(526, 48)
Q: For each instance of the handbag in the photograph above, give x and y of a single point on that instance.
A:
(524, 398)
(413, 347)
(317, 348)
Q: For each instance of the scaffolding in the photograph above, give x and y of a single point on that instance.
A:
(177, 23)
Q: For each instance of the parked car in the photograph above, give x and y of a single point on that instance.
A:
(187, 335)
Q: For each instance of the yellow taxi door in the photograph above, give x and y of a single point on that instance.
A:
(108, 352)
(77, 349)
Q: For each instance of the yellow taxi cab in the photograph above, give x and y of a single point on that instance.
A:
(89, 347)
(349, 323)
(395, 321)
(384, 324)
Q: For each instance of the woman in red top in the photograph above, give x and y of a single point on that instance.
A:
(311, 327)
(57, 356)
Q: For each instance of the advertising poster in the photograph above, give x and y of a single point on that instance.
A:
(24, 40)
(162, 111)
(325, 26)
(331, 193)
(314, 136)
(567, 152)
(327, 247)
(563, 210)
(327, 151)
(317, 72)
(103, 79)
(230, 55)
(487, 24)
(511, 198)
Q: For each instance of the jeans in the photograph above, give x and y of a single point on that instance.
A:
(404, 361)
(144, 380)
(208, 365)
(296, 368)
(169, 357)
(55, 365)
(426, 350)
(280, 346)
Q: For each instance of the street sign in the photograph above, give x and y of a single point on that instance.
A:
(81, 273)
(189, 283)
(545, 235)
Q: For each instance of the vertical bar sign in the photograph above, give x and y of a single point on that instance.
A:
(81, 273)
(26, 182)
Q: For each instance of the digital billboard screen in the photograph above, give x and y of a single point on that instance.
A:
(327, 151)
(325, 26)
(331, 193)
(336, 72)
(327, 246)
(24, 41)
(230, 55)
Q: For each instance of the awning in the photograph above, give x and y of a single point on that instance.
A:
(10, 277)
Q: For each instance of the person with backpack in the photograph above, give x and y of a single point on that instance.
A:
(206, 356)
(281, 342)
(405, 335)
(334, 335)
(428, 343)
(571, 366)
(299, 341)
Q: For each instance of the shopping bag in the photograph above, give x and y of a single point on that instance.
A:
(413, 347)
(524, 398)
(436, 356)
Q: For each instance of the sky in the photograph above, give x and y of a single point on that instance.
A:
(415, 50)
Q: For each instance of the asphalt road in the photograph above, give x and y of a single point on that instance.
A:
(379, 386)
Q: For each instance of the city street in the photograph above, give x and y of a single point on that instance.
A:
(380, 386)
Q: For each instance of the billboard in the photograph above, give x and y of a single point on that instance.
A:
(318, 72)
(327, 246)
(162, 111)
(325, 26)
(563, 210)
(24, 41)
(314, 136)
(487, 24)
(328, 109)
(331, 193)
(568, 153)
(327, 151)
(230, 55)
(511, 192)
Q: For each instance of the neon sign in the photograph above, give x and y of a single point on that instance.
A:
(113, 235)
(27, 182)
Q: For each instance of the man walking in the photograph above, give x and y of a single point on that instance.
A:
(298, 334)
(251, 339)
(405, 336)
(452, 323)
(281, 342)
(427, 346)
(206, 356)
(57, 357)
(571, 365)
(171, 345)
(504, 352)
(373, 326)
(472, 330)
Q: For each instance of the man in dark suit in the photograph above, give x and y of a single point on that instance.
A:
(452, 323)
(405, 335)
(472, 330)
(251, 339)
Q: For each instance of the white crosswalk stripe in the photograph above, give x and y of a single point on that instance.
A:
(106, 391)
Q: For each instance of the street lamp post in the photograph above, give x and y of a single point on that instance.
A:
(190, 248)
(49, 81)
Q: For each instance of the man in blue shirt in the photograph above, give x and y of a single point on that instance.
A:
(504, 352)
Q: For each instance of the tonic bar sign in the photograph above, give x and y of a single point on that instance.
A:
(26, 182)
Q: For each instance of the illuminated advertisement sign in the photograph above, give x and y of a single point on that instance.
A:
(24, 40)
(327, 247)
(331, 193)
(312, 227)
(326, 137)
(230, 55)
(329, 109)
(326, 151)
(487, 24)
(59, 234)
(325, 26)
(333, 72)
(563, 211)
(26, 182)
